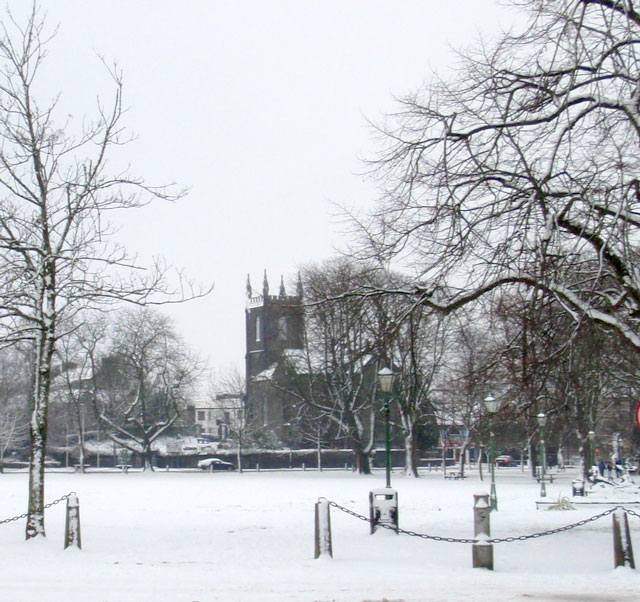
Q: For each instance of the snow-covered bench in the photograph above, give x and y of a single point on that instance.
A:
(453, 474)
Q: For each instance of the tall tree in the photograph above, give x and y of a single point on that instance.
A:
(14, 391)
(413, 342)
(492, 179)
(144, 380)
(57, 253)
(335, 375)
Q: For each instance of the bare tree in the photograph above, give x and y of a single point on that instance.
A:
(75, 386)
(14, 390)
(56, 246)
(523, 169)
(335, 375)
(144, 380)
(471, 373)
(415, 341)
(241, 428)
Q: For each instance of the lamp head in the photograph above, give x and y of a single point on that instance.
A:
(385, 379)
(591, 435)
(491, 404)
(542, 419)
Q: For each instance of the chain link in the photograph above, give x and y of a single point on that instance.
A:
(53, 503)
(554, 531)
(632, 512)
(490, 540)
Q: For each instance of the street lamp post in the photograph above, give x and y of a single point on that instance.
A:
(542, 421)
(491, 405)
(385, 378)
(591, 436)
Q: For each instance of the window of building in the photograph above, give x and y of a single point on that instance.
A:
(282, 328)
(258, 326)
(201, 415)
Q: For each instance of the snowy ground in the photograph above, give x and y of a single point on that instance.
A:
(173, 537)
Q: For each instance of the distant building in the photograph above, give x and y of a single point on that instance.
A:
(274, 330)
(215, 418)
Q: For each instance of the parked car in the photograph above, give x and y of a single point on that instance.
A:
(215, 464)
(504, 461)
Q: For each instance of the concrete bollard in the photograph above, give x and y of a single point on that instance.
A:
(72, 526)
(323, 545)
(622, 548)
(482, 550)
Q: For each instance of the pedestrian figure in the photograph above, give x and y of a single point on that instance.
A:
(609, 470)
(601, 468)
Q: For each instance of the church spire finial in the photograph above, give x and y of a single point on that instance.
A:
(249, 290)
(282, 291)
(299, 286)
(265, 285)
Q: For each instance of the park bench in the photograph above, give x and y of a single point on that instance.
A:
(453, 474)
(548, 478)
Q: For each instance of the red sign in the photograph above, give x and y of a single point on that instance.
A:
(638, 415)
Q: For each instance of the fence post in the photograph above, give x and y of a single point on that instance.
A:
(323, 546)
(482, 550)
(622, 549)
(72, 525)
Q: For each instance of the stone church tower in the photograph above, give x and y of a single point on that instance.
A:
(274, 327)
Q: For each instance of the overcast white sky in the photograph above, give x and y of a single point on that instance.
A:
(260, 108)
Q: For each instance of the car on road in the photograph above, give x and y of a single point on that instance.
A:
(504, 461)
(215, 464)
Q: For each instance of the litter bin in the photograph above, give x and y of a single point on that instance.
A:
(577, 487)
(383, 508)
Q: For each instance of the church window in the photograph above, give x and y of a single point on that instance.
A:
(282, 328)
(258, 333)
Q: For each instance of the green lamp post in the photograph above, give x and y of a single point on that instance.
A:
(385, 379)
(591, 436)
(491, 405)
(542, 421)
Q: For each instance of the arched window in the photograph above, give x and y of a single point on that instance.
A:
(258, 327)
(282, 328)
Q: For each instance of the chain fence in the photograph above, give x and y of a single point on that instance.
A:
(53, 503)
(490, 540)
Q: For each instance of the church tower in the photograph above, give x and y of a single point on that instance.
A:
(274, 325)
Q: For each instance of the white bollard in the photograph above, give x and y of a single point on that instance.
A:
(482, 550)
(323, 545)
(72, 526)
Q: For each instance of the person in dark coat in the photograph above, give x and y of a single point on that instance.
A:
(601, 468)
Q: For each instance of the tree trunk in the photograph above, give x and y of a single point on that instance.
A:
(38, 428)
(147, 457)
(463, 453)
(361, 458)
(410, 466)
(239, 455)
(532, 459)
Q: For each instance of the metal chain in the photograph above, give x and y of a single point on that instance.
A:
(403, 531)
(554, 531)
(491, 540)
(20, 516)
(632, 512)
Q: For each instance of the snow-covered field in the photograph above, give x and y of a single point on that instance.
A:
(173, 537)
